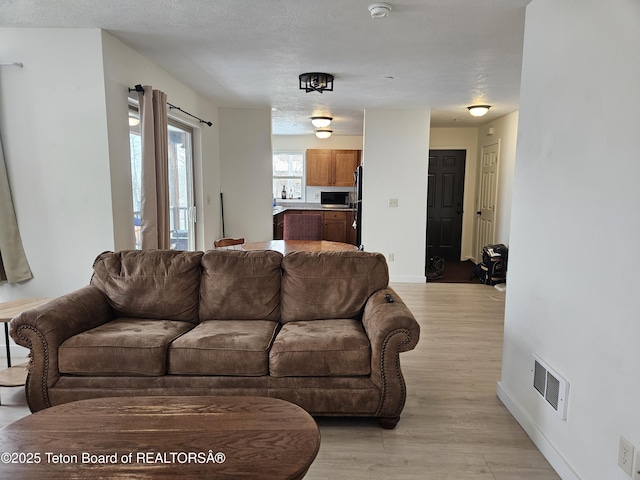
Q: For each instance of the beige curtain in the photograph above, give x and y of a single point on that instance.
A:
(154, 213)
(14, 267)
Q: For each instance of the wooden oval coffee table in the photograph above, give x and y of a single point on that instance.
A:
(162, 438)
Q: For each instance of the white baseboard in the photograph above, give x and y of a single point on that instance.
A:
(548, 450)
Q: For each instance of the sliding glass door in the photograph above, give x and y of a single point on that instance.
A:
(181, 199)
(182, 210)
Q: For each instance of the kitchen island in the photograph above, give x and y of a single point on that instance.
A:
(337, 222)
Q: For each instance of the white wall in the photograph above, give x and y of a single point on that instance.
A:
(65, 132)
(124, 68)
(54, 130)
(572, 295)
(395, 159)
(247, 169)
(64, 125)
(462, 139)
(303, 142)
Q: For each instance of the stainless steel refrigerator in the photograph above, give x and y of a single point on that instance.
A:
(358, 205)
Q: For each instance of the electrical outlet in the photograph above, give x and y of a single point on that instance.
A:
(316, 196)
(625, 456)
(636, 470)
(391, 257)
(393, 202)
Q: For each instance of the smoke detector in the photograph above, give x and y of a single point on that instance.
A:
(379, 10)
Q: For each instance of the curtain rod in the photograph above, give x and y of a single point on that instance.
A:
(12, 64)
(171, 107)
(138, 88)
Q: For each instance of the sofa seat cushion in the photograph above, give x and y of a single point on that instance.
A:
(122, 347)
(224, 347)
(320, 348)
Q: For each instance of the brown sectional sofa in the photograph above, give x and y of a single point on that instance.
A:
(319, 329)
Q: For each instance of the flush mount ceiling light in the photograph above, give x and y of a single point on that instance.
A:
(316, 82)
(321, 122)
(379, 10)
(479, 110)
(323, 133)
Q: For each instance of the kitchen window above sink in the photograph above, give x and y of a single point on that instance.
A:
(288, 176)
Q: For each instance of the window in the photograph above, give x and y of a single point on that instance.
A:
(288, 175)
(181, 199)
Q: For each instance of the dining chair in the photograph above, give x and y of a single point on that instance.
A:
(229, 243)
(302, 227)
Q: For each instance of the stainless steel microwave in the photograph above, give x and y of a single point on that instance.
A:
(334, 199)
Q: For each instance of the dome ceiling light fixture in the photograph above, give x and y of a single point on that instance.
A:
(479, 110)
(316, 82)
(321, 122)
(323, 133)
(379, 10)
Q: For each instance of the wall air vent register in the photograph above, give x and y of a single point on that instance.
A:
(551, 386)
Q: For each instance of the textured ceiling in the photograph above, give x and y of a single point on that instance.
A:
(438, 54)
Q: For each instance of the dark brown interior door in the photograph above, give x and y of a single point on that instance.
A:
(445, 192)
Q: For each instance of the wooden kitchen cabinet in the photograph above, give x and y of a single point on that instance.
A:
(318, 167)
(345, 163)
(334, 168)
(335, 226)
(278, 226)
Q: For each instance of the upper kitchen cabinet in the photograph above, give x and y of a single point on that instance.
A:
(331, 167)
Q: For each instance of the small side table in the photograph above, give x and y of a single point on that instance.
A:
(15, 376)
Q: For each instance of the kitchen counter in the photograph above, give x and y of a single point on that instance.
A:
(309, 206)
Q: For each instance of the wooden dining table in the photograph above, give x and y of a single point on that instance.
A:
(288, 246)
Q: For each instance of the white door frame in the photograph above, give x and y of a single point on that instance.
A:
(487, 197)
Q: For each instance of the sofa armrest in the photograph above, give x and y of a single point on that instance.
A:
(43, 329)
(392, 329)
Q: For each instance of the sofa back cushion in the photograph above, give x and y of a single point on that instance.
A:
(330, 285)
(151, 284)
(239, 285)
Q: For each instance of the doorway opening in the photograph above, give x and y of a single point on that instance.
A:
(445, 200)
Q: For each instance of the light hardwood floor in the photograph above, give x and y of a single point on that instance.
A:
(453, 425)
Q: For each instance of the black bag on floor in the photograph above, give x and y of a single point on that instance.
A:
(494, 253)
(493, 269)
(435, 268)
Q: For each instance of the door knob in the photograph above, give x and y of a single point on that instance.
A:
(478, 212)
